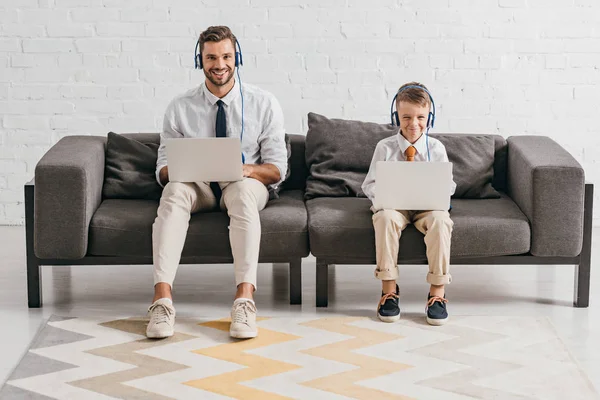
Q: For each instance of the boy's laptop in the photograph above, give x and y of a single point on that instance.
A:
(401, 185)
(204, 159)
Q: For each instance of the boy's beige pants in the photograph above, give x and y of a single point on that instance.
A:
(242, 200)
(437, 228)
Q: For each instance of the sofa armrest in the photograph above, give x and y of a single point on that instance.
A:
(68, 190)
(548, 184)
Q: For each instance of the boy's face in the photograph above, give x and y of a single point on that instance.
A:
(413, 120)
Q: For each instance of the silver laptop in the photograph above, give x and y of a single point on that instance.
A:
(204, 159)
(401, 185)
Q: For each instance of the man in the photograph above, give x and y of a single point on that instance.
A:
(218, 107)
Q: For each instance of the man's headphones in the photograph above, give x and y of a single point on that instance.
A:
(394, 112)
(198, 55)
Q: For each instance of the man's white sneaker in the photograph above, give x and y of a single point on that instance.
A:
(162, 319)
(243, 320)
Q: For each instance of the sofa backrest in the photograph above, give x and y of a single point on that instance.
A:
(300, 172)
(500, 157)
(500, 163)
(144, 137)
(297, 163)
(339, 153)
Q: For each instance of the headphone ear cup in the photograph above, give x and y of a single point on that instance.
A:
(395, 117)
(431, 119)
(237, 59)
(199, 61)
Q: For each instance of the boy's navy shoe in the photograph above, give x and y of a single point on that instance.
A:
(388, 309)
(436, 310)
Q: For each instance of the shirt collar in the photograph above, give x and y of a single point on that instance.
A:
(229, 97)
(420, 144)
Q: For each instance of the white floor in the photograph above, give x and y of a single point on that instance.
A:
(206, 290)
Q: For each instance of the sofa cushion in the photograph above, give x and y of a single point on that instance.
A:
(296, 164)
(500, 162)
(472, 158)
(342, 228)
(130, 169)
(124, 228)
(339, 152)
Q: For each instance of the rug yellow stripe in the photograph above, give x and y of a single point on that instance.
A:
(369, 367)
(228, 384)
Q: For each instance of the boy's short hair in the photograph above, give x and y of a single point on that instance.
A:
(413, 95)
(216, 34)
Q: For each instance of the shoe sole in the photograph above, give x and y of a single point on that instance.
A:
(159, 335)
(393, 318)
(436, 322)
(243, 335)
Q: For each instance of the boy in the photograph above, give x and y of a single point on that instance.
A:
(413, 104)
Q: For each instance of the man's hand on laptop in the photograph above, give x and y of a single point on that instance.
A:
(265, 173)
(164, 175)
(247, 170)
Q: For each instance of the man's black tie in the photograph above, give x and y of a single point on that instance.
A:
(221, 130)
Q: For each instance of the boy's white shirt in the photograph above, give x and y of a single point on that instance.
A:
(393, 148)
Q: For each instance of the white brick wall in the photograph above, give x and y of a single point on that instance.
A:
(510, 67)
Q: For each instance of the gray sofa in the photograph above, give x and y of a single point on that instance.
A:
(542, 213)
(69, 222)
(521, 200)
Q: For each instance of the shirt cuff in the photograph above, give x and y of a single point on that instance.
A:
(282, 171)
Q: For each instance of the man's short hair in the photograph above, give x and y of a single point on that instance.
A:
(216, 34)
(413, 95)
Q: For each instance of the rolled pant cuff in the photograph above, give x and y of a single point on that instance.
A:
(162, 278)
(439, 279)
(245, 278)
(387, 274)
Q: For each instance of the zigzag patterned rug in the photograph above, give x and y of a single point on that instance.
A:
(300, 358)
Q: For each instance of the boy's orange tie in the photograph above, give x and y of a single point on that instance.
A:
(410, 153)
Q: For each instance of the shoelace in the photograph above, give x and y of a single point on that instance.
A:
(240, 312)
(433, 300)
(160, 312)
(385, 297)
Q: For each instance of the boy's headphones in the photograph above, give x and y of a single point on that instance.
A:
(198, 55)
(394, 112)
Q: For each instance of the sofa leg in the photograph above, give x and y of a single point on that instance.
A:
(582, 271)
(322, 284)
(34, 287)
(296, 281)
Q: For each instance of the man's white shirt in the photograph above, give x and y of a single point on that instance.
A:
(193, 115)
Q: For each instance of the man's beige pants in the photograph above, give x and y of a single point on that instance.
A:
(437, 228)
(242, 200)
